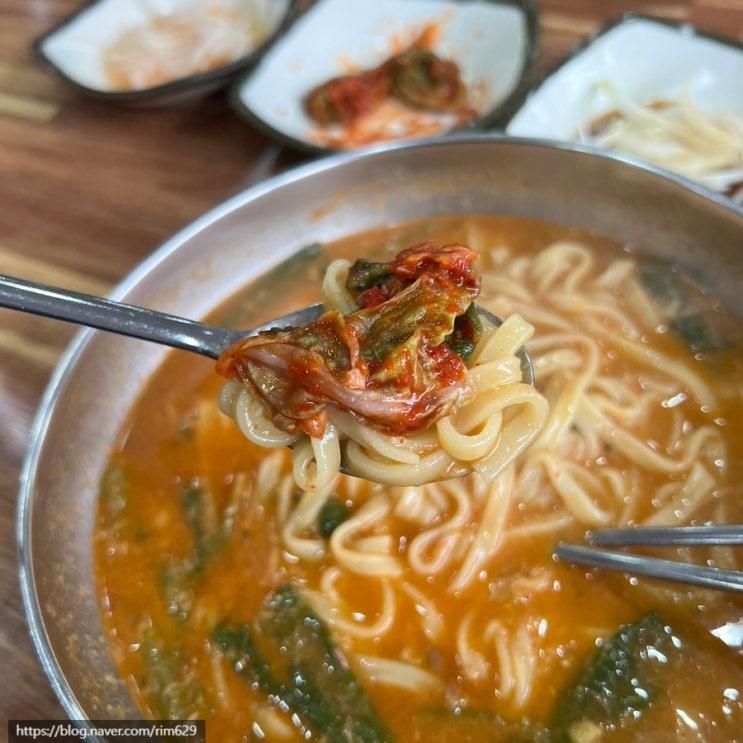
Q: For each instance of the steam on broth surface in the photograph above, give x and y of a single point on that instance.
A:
(444, 601)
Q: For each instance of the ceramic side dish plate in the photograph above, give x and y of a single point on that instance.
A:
(493, 43)
(132, 50)
(638, 60)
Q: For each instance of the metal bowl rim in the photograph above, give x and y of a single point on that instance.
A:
(65, 367)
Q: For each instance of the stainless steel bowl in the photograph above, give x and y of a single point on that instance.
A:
(101, 375)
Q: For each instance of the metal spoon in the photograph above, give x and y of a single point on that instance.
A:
(158, 327)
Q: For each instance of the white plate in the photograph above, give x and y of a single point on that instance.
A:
(74, 49)
(645, 60)
(492, 42)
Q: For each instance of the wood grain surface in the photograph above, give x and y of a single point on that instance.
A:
(88, 189)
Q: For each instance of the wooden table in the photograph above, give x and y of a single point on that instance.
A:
(87, 190)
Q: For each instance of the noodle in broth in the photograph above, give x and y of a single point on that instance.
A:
(444, 598)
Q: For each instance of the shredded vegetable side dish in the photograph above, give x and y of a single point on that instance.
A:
(199, 38)
(675, 134)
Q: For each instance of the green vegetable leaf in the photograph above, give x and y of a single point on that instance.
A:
(470, 725)
(170, 684)
(314, 657)
(177, 582)
(296, 263)
(179, 579)
(697, 334)
(666, 286)
(623, 678)
(237, 645)
(466, 335)
(397, 328)
(315, 680)
(365, 274)
(332, 515)
(114, 493)
(200, 511)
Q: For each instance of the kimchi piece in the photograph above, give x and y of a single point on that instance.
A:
(424, 80)
(398, 363)
(417, 77)
(344, 99)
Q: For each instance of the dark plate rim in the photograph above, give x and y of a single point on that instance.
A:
(174, 87)
(684, 27)
(497, 117)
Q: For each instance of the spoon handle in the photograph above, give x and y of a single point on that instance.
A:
(105, 314)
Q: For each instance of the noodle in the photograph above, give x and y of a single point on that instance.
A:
(329, 603)
(300, 520)
(398, 674)
(473, 664)
(432, 620)
(434, 548)
(271, 724)
(590, 409)
(351, 555)
(516, 662)
(490, 532)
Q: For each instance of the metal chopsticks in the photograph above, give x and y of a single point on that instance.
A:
(653, 567)
(668, 536)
